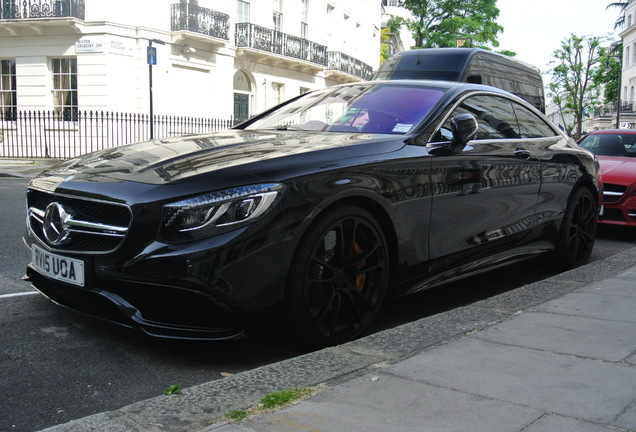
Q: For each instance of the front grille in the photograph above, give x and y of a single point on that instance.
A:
(612, 214)
(612, 192)
(95, 226)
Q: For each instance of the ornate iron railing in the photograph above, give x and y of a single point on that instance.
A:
(49, 134)
(197, 19)
(609, 109)
(344, 63)
(268, 40)
(29, 9)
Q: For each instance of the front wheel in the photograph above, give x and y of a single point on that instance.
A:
(338, 278)
(578, 230)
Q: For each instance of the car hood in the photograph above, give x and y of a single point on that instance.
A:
(620, 170)
(171, 160)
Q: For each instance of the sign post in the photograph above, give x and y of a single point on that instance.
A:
(151, 58)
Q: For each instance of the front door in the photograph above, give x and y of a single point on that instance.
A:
(241, 107)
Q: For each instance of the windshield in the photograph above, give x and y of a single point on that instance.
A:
(610, 144)
(366, 108)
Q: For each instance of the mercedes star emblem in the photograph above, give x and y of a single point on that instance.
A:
(55, 223)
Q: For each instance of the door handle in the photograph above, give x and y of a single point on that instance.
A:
(522, 154)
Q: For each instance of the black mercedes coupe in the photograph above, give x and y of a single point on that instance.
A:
(306, 217)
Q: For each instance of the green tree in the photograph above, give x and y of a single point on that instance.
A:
(439, 23)
(622, 5)
(572, 85)
(392, 27)
(608, 73)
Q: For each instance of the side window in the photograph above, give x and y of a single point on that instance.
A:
(494, 115)
(531, 125)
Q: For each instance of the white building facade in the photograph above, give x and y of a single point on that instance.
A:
(205, 58)
(627, 117)
(608, 117)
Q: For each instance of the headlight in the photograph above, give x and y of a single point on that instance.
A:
(203, 215)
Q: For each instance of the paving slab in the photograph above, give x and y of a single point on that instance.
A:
(600, 339)
(408, 406)
(587, 389)
(557, 423)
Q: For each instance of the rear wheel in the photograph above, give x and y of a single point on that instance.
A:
(578, 230)
(338, 278)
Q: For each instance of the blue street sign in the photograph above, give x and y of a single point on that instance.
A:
(152, 55)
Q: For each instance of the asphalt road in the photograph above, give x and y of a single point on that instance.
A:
(57, 365)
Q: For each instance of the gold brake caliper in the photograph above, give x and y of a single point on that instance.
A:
(361, 278)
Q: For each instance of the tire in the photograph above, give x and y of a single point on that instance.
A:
(578, 230)
(338, 278)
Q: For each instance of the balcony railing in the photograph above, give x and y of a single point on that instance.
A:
(344, 63)
(30, 9)
(252, 36)
(610, 109)
(197, 19)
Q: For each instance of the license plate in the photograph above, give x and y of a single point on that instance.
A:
(58, 267)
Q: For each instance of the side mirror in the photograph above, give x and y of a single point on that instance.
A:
(464, 128)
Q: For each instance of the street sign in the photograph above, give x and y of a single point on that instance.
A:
(152, 55)
(626, 125)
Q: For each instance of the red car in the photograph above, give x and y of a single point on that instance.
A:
(616, 152)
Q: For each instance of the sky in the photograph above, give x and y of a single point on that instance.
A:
(534, 29)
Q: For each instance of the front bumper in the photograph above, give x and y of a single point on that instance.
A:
(160, 311)
(220, 288)
(622, 212)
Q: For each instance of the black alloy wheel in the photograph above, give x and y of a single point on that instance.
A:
(578, 230)
(338, 278)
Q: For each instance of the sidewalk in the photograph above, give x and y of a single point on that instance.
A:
(24, 168)
(556, 355)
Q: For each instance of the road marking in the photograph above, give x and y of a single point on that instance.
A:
(18, 294)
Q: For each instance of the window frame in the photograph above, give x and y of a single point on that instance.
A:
(243, 10)
(486, 130)
(64, 78)
(8, 90)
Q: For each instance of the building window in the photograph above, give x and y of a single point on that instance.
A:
(8, 93)
(331, 24)
(242, 11)
(304, 19)
(278, 15)
(65, 88)
(277, 89)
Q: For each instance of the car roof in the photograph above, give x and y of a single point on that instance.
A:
(613, 131)
(439, 84)
(462, 55)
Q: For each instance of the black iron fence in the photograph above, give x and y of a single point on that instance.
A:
(46, 134)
